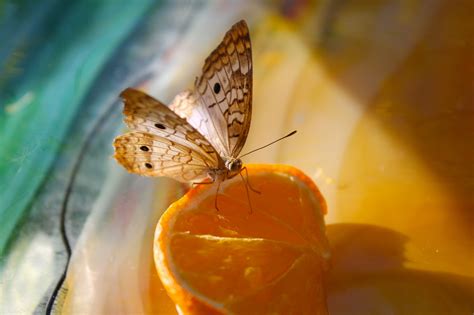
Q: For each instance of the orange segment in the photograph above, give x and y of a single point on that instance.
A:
(263, 259)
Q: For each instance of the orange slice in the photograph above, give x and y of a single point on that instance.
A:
(267, 259)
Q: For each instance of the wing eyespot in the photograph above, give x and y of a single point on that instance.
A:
(148, 165)
(144, 148)
(217, 88)
(160, 126)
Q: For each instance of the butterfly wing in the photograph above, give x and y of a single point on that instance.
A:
(221, 105)
(151, 155)
(186, 106)
(162, 143)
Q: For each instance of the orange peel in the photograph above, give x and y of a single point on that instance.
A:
(266, 257)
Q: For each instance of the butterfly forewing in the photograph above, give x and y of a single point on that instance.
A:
(223, 93)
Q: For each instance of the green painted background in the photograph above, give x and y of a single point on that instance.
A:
(50, 54)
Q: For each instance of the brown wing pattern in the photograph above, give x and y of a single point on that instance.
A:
(150, 155)
(184, 105)
(144, 113)
(224, 92)
(162, 143)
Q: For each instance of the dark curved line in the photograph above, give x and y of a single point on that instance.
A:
(78, 162)
(65, 203)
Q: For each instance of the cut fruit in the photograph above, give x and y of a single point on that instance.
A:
(265, 259)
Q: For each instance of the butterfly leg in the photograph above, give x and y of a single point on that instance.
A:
(248, 182)
(247, 190)
(217, 194)
(217, 191)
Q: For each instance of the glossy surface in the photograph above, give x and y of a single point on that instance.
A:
(380, 92)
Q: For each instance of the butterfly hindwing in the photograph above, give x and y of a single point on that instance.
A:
(151, 155)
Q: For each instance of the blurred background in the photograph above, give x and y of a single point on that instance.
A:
(380, 91)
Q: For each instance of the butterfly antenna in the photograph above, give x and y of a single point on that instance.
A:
(288, 135)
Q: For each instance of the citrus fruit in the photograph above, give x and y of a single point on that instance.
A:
(259, 253)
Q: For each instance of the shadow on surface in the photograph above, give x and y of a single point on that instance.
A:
(368, 276)
(410, 67)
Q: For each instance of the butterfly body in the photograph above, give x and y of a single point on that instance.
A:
(232, 168)
(200, 135)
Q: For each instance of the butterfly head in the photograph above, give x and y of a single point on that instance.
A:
(233, 165)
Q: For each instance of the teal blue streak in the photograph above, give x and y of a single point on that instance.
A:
(51, 53)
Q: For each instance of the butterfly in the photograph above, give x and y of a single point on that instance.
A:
(197, 138)
(200, 135)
